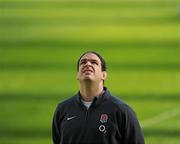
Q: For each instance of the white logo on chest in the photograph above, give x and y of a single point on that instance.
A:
(102, 128)
(70, 118)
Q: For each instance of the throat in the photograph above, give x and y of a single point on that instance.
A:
(87, 104)
(88, 93)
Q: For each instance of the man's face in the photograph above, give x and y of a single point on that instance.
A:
(90, 69)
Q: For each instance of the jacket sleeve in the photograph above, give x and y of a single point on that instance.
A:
(131, 128)
(56, 135)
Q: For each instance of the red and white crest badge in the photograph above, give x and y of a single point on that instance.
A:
(104, 118)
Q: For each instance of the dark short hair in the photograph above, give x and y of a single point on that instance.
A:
(103, 63)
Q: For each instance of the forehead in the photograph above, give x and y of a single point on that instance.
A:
(90, 56)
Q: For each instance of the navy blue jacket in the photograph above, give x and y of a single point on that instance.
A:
(107, 121)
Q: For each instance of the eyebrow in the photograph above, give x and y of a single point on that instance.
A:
(92, 60)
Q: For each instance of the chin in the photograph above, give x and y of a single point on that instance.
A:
(87, 78)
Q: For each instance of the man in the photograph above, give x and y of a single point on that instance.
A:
(93, 115)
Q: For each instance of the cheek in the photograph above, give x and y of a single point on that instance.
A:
(101, 75)
(80, 68)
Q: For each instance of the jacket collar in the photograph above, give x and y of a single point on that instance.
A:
(98, 99)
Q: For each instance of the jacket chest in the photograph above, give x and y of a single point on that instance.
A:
(89, 124)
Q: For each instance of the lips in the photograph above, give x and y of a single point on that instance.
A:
(87, 70)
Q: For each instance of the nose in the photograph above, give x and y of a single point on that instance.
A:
(88, 63)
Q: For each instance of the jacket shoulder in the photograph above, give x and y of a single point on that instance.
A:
(121, 105)
(66, 102)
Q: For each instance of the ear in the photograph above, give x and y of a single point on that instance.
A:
(77, 76)
(104, 75)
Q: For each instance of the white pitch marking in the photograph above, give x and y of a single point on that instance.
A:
(160, 117)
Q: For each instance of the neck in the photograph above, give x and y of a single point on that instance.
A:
(89, 91)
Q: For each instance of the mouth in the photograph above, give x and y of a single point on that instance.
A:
(87, 71)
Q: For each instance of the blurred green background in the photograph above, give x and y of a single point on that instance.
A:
(41, 40)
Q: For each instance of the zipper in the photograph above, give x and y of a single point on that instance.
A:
(86, 121)
(86, 116)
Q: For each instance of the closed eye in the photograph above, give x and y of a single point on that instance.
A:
(82, 62)
(94, 62)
